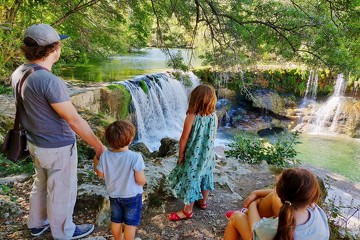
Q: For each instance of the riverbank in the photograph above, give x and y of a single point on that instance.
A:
(233, 182)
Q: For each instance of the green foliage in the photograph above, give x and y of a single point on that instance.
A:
(5, 90)
(184, 78)
(144, 87)
(176, 61)
(7, 190)
(85, 152)
(252, 149)
(8, 167)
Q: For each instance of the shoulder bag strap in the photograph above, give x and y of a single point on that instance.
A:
(18, 94)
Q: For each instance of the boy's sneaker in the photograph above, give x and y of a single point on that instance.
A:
(38, 231)
(82, 230)
(230, 213)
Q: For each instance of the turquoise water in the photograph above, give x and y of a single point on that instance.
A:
(338, 154)
(124, 67)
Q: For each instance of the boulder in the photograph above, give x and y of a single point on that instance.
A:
(142, 148)
(169, 147)
(269, 100)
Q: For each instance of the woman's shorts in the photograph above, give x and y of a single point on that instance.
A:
(126, 210)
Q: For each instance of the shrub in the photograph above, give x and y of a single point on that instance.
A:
(8, 167)
(252, 149)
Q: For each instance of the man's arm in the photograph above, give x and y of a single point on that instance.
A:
(67, 111)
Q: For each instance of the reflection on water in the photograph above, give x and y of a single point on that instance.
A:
(338, 154)
(124, 67)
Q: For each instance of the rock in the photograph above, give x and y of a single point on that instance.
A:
(169, 147)
(8, 207)
(142, 148)
(11, 179)
(269, 100)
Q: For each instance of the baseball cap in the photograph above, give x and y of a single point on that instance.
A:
(43, 34)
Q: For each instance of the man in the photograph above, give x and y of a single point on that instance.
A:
(51, 122)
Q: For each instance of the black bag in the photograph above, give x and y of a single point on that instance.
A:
(14, 146)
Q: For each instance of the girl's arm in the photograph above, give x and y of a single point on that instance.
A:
(140, 178)
(96, 162)
(189, 120)
(255, 195)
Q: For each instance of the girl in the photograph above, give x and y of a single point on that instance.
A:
(192, 178)
(299, 216)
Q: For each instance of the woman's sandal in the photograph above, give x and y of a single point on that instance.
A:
(202, 206)
(175, 217)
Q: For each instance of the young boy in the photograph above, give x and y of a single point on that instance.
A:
(123, 171)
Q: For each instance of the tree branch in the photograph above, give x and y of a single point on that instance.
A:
(76, 9)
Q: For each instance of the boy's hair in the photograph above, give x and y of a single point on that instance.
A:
(120, 134)
(296, 188)
(202, 100)
(33, 51)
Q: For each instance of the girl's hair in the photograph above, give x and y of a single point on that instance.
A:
(33, 51)
(120, 134)
(296, 188)
(202, 100)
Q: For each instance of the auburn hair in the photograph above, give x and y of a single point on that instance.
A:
(202, 100)
(296, 188)
(33, 51)
(120, 134)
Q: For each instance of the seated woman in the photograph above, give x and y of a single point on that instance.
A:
(299, 216)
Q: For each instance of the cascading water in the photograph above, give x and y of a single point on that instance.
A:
(311, 89)
(327, 115)
(159, 102)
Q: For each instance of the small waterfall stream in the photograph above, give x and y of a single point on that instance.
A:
(311, 89)
(160, 109)
(327, 115)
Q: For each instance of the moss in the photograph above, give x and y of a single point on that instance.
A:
(123, 100)
(144, 87)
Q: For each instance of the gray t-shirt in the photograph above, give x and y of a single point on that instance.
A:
(316, 228)
(119, 173)
(45, 128)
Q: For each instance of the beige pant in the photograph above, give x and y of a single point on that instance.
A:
(53, 194)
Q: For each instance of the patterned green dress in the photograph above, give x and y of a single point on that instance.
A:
(195, 173)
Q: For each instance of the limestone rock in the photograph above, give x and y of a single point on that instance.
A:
(169, 147)
(8, 207)
(140, 147)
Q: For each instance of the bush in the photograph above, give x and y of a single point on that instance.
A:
(252, 149)
(8, 167)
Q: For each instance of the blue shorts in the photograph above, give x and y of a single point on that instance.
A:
(126, 210)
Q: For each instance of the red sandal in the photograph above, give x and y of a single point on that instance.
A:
(202, 206)
(175, 217)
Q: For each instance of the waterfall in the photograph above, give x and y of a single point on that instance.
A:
(159, 103)
(311, 89)
(327, 115)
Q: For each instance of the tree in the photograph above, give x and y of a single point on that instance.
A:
(322, 33)
(228, 33)
(96, 28)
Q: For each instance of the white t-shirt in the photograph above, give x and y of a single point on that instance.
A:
(119, 173)
(316, 228)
